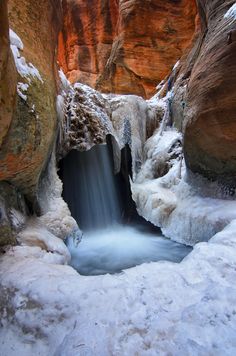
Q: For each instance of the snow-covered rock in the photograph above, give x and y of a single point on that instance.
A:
(26, 70)
(166, 197)
(55, 214)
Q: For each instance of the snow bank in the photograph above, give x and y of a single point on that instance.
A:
(36, 235)
(158, 308)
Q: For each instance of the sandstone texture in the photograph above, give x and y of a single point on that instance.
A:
(7, 74)
(124, 47)
(30, 129)
(209, 75)
(86, 38)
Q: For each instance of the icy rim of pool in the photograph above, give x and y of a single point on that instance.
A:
(119, 247)
(49, 309)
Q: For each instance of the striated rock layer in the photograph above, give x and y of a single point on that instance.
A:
(207, 92)
(210, 136)
(124, 47)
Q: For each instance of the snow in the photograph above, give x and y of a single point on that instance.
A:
(93, 116)
(21, 89)
(26, 70)
(35, 234)
(159, 308)
(129, 116)
(15, 40)
(176, 65)
(231, 13)
(56, 216)
(64, 81)
(94, 100)
(165, 196)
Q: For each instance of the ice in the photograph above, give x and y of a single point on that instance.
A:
(231, 13)
(64, 81)
(26, 70)
(15, 40)
(176, 65)
(21, 89)
(35, 234)
(166, 197)
(55, 215)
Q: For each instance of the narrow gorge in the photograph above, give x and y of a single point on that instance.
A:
(117, 177)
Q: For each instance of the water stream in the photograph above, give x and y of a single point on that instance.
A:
(108, 246)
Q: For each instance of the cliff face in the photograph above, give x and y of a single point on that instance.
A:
(86, 38)
(30, 123)
(7, 74)
(124, 47)
(210, 133)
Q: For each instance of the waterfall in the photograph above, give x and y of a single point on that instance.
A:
(107, 246)
(89, 188)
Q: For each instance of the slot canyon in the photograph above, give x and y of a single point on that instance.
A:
(117, 177)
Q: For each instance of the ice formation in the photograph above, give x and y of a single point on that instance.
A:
(165, 197)
(89, 117)
(231, 13)
(26, 70)
(22, 90)
(55, 215)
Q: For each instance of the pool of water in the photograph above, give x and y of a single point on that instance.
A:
(120, 247)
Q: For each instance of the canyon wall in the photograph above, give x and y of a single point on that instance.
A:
(206, 91)
(29, 118)
(7, 74)
(124, 47)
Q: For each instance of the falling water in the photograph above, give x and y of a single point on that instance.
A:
(107, 245)
(89, 188)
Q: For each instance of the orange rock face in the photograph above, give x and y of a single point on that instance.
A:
(210, 134)
(126, 46)
(86, 38)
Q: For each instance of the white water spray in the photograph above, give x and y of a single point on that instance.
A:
(107, 246)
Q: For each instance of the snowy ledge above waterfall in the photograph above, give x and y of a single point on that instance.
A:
(48, 309)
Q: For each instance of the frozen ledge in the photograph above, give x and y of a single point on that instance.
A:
(167, 196)
(157, 308)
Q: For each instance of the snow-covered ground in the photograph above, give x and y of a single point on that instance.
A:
(159, 308)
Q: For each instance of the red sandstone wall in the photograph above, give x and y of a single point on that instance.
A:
(124, 47)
